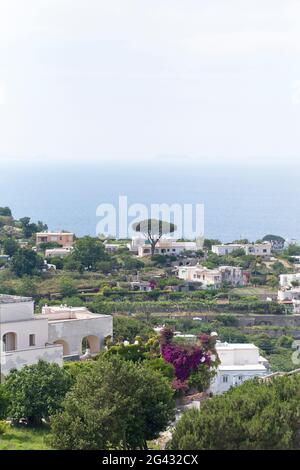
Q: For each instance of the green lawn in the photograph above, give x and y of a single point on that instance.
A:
(24, 439)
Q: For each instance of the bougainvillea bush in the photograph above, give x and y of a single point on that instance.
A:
(189, 361)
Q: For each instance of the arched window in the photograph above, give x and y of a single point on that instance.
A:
(65, 345)
(9, 342)
(92, 343)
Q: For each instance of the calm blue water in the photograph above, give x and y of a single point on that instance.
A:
(247, 202)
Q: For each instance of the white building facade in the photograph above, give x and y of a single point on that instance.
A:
(165, 246)
(255, 249)
(56, 334)
(214, 278)
(24, 337)
(239, 362)
(69, 326)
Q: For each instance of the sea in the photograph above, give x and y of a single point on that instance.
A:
(239, 201)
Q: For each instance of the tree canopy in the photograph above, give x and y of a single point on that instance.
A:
(26, 262)
(29, 228)
(129, 328)
(254, 416)
(5, 211)
(88, 251)
(276, 238)
(153, 230)
(35, 392)
(10, 246)
(118, 405)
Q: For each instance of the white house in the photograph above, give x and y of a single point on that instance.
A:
(255, 249)
(212, 277)
(287, 280)
(24, 336)
(58, 252)
(239, 362)
(57, 333)
(71, 326)
(167, 247)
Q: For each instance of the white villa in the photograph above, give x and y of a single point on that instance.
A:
(239, 362)
(212, 277)
(165, 246)
(287, 280)
(255, 249)
(58, 333)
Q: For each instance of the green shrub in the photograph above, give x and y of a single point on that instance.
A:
(4, 427)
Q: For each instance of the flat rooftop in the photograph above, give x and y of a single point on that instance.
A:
(235, 346)
(244, 367)
(65, 313)
(54, 233)
(13, 299)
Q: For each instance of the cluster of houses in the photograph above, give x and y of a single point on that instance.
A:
(64, 240)
(255, 249)
(67, 333)
(168, 246)
(141, 247)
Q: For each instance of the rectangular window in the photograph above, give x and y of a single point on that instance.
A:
(225, 379)
(31, 340)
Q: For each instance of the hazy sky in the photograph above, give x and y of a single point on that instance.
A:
(205, 80)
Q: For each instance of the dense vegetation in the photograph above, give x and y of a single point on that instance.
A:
(254, 416)
(119, 404)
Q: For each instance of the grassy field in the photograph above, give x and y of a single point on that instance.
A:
(24, 439)
(253, 291)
